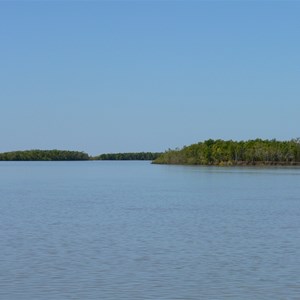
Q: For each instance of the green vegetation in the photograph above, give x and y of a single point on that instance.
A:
(209, 152)
(129, 156)
(219, 152)
(44, 155)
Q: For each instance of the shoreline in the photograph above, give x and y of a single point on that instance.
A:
(236, 164)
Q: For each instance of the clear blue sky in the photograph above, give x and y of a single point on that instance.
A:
(149, 75)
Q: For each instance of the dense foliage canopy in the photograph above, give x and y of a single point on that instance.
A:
(220, 152)
(44, 155)
(129, 156)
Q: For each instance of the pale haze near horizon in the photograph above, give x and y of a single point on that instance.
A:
(147, 76)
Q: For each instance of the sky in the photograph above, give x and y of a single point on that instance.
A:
(130, 76)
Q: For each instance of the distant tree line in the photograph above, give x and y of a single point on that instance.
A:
(74, 155)
(220, 152)
(129, 156)
(44, 155)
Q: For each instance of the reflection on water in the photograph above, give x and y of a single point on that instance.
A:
(132, 230)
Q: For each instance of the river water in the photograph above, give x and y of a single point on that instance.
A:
(133, 230)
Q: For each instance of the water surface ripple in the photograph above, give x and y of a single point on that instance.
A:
(132, 230)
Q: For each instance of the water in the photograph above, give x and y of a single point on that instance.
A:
(132, 230)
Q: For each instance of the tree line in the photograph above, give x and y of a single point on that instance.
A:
(44, 155)
(209, 152)
(221, 152)
(61, 155)
(129, 156)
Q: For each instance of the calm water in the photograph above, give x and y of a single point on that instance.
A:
(132, 230)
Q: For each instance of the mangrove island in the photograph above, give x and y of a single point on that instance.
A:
(43, 155)
(228, 153)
